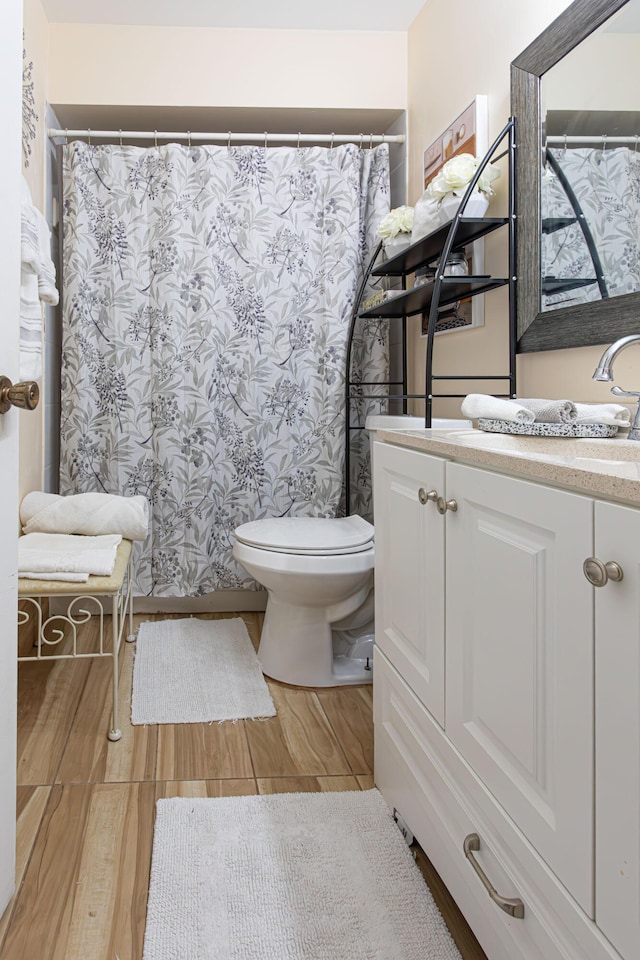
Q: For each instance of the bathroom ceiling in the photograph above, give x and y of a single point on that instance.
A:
(276, 14)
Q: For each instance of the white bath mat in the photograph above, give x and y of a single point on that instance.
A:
(194, 671)
(306, 876)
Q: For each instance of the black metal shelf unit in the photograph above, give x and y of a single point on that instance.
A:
(431, 296)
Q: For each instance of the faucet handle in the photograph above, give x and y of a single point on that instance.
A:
(619, 392)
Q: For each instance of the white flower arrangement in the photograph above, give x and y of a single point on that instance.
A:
(399, 220)
(457, 174)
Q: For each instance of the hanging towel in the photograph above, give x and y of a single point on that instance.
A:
(37, 284)
(495, 408)
(549, 411)
(52, 553)
(90, 514)
(612, 413)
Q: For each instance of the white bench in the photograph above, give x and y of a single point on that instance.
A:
(51, 632)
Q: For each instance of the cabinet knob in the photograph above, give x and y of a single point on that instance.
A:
(23, 395)
(444, 505)
(424, 497)
(599, 573)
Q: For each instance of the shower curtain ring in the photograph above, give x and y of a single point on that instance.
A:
(370, 141)
(299, 135)
(331, 144)
(189, 138)
(565, 143)
(155, 138)
(604, 142)
(120, 132)
(361, 139)
(229, 141)
(66, 136)
(89, 134)
(266, 138)
(635, 149)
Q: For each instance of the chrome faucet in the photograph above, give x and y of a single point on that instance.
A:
(603, 372)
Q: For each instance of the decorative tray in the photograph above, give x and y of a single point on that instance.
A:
(548, 429)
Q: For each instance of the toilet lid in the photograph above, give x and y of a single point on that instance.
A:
(318, 536)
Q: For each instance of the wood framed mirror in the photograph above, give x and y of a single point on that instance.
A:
(603, 318)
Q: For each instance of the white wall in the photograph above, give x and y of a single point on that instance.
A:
(456, 51)
(169, 66)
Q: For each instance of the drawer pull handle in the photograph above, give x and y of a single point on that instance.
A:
(444, 505)
(511, 905)
(599, 573)
(424, 497)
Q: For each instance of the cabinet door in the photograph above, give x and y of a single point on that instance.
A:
(410, 570)
(618, 731)
(520, 659)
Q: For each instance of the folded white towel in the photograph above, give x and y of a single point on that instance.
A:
(495, 408)
(53, 553)
(64, 577)
(90, 514)
(549, 411)
(611, 413)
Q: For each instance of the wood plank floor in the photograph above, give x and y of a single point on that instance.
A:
(86, 806)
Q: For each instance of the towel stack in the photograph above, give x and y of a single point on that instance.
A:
(73, 538)
(37, 284)
(477, 405)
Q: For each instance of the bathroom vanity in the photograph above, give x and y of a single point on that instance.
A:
(507, 685)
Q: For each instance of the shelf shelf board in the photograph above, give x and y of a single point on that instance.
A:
(551, 224)
(428, 248)
(552, 285)
(418, 300)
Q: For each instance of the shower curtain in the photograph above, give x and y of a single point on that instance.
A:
(607, 186)
(207, 294)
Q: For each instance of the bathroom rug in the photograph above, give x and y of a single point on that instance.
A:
(196, 671)
(306, 876)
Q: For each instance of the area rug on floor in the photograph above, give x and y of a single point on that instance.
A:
(195, 671)
(306, 876)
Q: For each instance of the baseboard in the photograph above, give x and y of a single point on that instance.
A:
(222, 601)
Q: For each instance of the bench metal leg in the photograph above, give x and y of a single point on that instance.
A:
(115, 733)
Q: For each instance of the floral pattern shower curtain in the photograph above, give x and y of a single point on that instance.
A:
(207, 295)
(607, 186)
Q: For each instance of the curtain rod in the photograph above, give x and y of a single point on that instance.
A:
(604, 138)
(363, 139)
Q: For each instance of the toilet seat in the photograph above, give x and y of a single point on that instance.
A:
(308, 536)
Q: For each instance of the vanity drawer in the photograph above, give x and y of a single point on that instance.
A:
(423, 776)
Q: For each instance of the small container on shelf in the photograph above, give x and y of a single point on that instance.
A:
(456, 265)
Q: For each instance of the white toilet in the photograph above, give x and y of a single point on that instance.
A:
(318, 627)
(319, 575)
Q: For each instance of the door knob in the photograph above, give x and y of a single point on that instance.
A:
(599, 573)
(24, 395)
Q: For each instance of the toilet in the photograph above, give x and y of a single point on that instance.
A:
(319, 575)
(318, 627)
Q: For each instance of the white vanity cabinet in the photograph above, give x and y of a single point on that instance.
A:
(617, 696)
(410, 604)
(499, 740)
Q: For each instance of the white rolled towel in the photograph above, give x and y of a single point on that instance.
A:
(89, 514)
(549, 411)
(495, 408)
(612, 413)
(53, 553)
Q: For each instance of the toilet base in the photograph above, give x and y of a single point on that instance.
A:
(297, 647)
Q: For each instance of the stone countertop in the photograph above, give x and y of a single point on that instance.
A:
(608, 469)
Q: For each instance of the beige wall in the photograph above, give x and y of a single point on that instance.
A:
(456, 51)
(169, 66)
(36, 45)
(574, 84)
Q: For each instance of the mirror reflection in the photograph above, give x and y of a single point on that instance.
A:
(590, 184)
